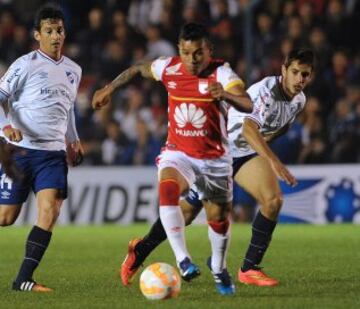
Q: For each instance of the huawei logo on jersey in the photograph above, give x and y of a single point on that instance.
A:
(188, 113)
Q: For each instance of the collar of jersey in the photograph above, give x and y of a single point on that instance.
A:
(49, 58)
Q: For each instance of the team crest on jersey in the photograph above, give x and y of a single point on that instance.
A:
(173, 70)
(189, 114)
(203, 86)
(71, 77)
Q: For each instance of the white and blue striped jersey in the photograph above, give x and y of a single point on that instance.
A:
(271, 111)
(41, 93)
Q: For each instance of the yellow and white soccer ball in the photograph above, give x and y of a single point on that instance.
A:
(160, 281)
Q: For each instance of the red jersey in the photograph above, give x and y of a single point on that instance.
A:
(197, 122)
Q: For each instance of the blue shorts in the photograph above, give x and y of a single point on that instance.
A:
(239, 194)
(40, 169)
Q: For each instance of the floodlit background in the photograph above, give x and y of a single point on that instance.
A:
(106, 37)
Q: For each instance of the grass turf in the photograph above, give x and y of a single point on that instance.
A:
(318, 267)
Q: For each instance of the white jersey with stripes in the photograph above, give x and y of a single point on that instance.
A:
(272, 111)
(41, 93)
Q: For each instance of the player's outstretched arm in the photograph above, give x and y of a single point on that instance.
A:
(103, 96)
(236, 96)
(252, 135)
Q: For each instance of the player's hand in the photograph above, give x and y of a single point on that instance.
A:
(216, 90)
(101, 97)
(12, 134)
(75, 153)
(283, 173)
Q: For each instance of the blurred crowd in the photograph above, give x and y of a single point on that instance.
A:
(105, 37)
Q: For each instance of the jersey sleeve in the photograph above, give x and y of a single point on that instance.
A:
(228, 78)
(158, 66)
(79, 75)
(14, 77)
(71, 132)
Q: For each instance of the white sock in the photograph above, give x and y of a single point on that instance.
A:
(173, 222)
(219, 247)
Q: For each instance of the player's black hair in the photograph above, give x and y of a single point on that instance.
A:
(48, 11)
(194, 32)
(303, 55)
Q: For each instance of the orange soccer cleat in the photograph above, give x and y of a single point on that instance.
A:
(129, 267)
(256, 277)
(31, 286)
(41, 288)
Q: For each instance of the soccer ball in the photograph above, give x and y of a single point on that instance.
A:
(160, 281)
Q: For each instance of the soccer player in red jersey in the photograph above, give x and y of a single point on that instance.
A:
(200, 90)
(277, 101)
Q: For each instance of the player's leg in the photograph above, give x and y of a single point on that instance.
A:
(140, 249)
(12, 192)
(9, 214)
(219, 236)
(50, 186)
(257, 177)
(39, 237)
(171, 185)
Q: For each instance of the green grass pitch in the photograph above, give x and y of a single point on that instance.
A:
(318, 267)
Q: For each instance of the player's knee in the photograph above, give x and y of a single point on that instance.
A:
(272, 206)
(169, 192)
(189, 217)
(218, 212)
(49, 212)
(6, 219)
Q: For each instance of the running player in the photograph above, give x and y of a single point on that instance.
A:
(199, 89)
(39, 90)
(277, 101)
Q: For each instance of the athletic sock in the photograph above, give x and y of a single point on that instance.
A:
(36, 245)
(262, 229)
(219, 236)
(173, 222)
(154, 238)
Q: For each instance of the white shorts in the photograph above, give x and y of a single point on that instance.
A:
(212, 178)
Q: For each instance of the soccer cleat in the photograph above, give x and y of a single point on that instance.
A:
(130, 265)
(223, 282)
(256, 277)
(31, 286)
(188, 270)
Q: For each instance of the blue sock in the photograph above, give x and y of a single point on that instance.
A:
(36, 245)
(262, 229)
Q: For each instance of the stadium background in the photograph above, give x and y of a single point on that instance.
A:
(106, 37)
